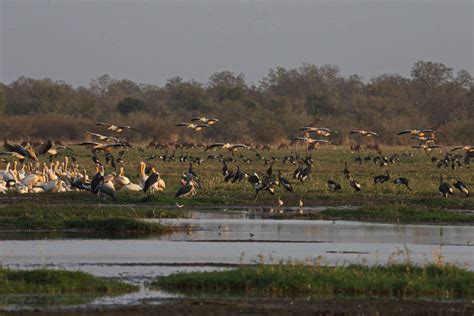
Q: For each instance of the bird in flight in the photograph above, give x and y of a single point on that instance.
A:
(117, 128)
(364, 133)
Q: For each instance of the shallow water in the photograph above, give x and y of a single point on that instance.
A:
(209, 241)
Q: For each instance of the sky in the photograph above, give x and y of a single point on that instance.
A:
(152, 41)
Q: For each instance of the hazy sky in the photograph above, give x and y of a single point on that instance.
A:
(152, 41)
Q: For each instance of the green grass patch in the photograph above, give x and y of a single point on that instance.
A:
(108, 219)
(397, 280)
(44, 281)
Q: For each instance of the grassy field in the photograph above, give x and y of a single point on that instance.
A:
(58, 282)
(396, 280)
(329, 163)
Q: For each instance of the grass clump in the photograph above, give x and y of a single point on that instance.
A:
(44, 281)
(396, 280)
(107, 225)
(84, 218)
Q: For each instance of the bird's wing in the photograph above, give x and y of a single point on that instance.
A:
(88, 144)
(240, 146)
(15, 148)
(150, 181)
(301, 138)
(95, 134)
(195, 119)
(104, 124)
(43, 148)
(113, 145)
(133, 128)
(407, 131)
(182, 124)
(214, 145)
(354, 132)
(456, 148)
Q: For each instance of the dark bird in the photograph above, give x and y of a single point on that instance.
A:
(402, 181)
(461, 187)
(284, 182)
(97, 179)
(444, 187)
(333, 185)
(151, 180)
(26, 151)
(355, 185)
(44, 148)
(187, 190)
(382, 178)
(346, 172)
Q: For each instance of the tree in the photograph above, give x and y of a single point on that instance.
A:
(129, 105)
(431, 74)
(2, 99)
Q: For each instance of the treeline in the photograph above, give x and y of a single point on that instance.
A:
(270, 112)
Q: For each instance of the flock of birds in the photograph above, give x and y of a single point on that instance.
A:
(25, 174)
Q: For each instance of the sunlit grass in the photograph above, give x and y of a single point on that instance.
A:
(58, 282)
(394, 280)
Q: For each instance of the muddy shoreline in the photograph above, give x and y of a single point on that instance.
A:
(262, 306)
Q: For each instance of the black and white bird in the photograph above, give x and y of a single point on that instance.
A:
(444, 188)
(284, 182)
(461, 187)
(355, 185)
(188, 189)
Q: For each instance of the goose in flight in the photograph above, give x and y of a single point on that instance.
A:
(229, 147)
(205, 120)
(105, 147)
(117, 128)
(467, 149)
(364, 133)
(311, 140)
(104, 137)
(416, 132)
(196, 127)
